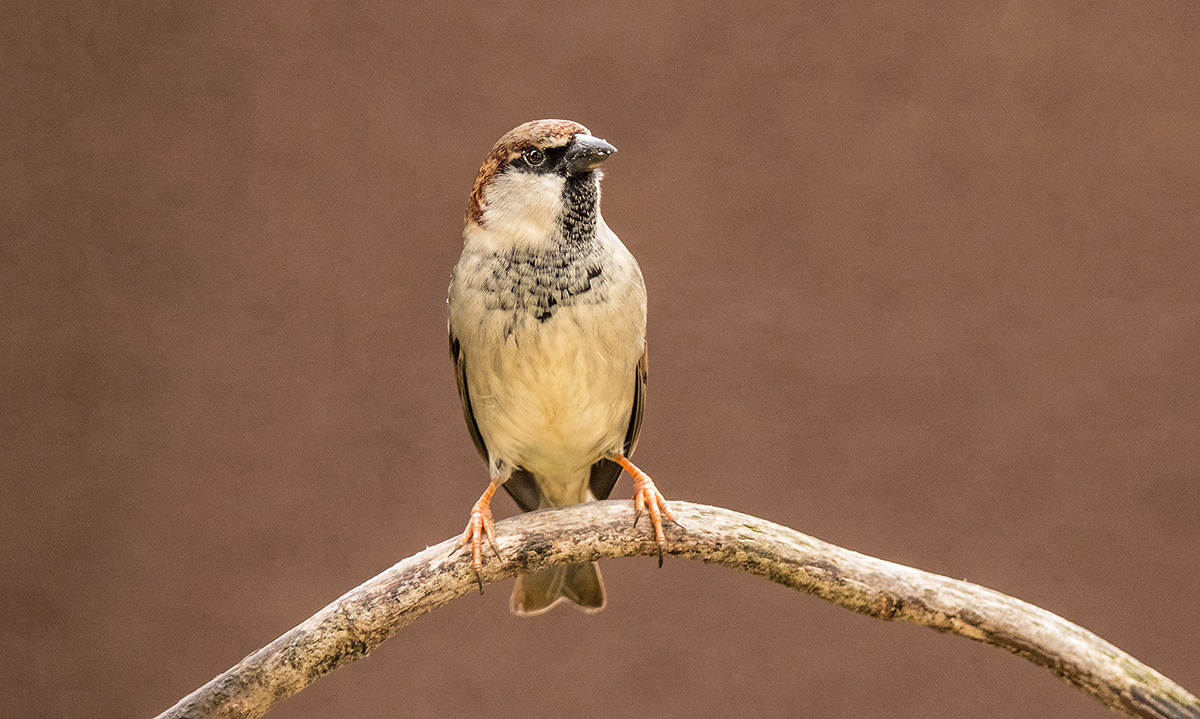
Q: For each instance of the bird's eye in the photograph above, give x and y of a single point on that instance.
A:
(534, 156)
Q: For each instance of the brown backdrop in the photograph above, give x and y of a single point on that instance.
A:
(923, 279)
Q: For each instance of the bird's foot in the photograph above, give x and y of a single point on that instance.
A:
(647, 499)
(478, 527)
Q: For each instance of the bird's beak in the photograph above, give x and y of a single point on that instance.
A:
(586, 153)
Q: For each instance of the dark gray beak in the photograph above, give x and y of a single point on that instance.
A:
(586, 153)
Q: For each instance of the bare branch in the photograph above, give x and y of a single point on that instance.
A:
(363, 618)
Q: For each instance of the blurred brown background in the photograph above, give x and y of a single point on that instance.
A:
(923, 283)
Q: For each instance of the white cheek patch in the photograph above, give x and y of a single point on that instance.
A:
(523, 206)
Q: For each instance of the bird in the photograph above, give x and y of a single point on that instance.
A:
(547, 328)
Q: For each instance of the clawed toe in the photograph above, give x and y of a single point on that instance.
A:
(647, 499)
(479, 527)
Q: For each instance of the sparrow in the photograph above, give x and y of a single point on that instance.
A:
(547, 324)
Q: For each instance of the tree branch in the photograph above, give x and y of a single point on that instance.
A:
(364, 617)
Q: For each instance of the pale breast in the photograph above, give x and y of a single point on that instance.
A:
(552, 352)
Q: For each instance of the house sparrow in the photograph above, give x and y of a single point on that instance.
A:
(548, 336)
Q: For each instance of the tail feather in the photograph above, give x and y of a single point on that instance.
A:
(578, 583)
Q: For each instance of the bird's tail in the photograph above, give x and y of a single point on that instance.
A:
(578, 583)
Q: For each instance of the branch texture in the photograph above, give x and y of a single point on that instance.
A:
(363, 618)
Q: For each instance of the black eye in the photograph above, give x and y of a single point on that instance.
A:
(534, 156)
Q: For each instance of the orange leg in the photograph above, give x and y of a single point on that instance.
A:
(647, 498)
(480, 526)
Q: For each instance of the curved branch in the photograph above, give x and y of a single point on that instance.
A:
(364, 617)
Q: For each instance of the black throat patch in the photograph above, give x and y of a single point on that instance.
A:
(581, 205)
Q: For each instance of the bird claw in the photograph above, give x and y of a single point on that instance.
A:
(647, 499)
(479, 527)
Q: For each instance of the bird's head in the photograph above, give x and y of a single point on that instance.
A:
(539, 184)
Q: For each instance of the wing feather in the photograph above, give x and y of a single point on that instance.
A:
(464, 395)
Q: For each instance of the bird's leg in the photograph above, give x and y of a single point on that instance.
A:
(479, 526)
(647, 498)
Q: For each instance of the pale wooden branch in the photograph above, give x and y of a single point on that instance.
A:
(363, 618)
